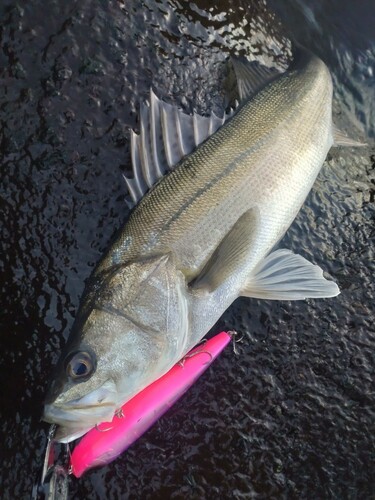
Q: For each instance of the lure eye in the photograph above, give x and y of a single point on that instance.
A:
(80, 365)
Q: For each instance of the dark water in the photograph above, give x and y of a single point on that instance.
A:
(293, 415)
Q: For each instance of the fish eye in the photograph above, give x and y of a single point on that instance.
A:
(79, 365)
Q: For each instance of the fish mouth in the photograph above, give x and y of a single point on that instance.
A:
(78, 416)
(75, 421)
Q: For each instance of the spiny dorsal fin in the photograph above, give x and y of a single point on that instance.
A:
(167, 135)
(252, 76)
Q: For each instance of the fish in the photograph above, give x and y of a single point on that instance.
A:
(211, 198)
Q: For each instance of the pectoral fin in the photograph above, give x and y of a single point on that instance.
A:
(283, 275)
(233, 249)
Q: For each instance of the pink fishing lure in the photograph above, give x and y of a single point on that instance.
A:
(108, 440)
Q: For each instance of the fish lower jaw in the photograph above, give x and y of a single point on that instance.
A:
(67, 434)
(74, 422)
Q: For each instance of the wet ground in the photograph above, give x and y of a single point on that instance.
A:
(293, 415)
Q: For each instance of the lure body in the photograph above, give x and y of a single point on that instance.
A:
(108, 440)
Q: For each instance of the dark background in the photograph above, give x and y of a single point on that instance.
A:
(293, 415)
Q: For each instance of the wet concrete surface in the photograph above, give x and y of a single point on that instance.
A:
(292, 416)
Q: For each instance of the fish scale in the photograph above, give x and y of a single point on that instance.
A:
(195, 196)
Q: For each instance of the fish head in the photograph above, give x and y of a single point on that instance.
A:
(134, 328)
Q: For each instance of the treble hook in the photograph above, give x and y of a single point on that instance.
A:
(187, 356)
(54, 482)
(236, 340)
(118, 413)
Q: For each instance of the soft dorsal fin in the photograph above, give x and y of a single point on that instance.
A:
(252, 76)
(167, 135)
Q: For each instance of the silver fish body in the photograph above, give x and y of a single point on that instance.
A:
(268, 156)
(200, 238)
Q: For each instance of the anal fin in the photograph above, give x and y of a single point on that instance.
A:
(341, 139)
(283, 275)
